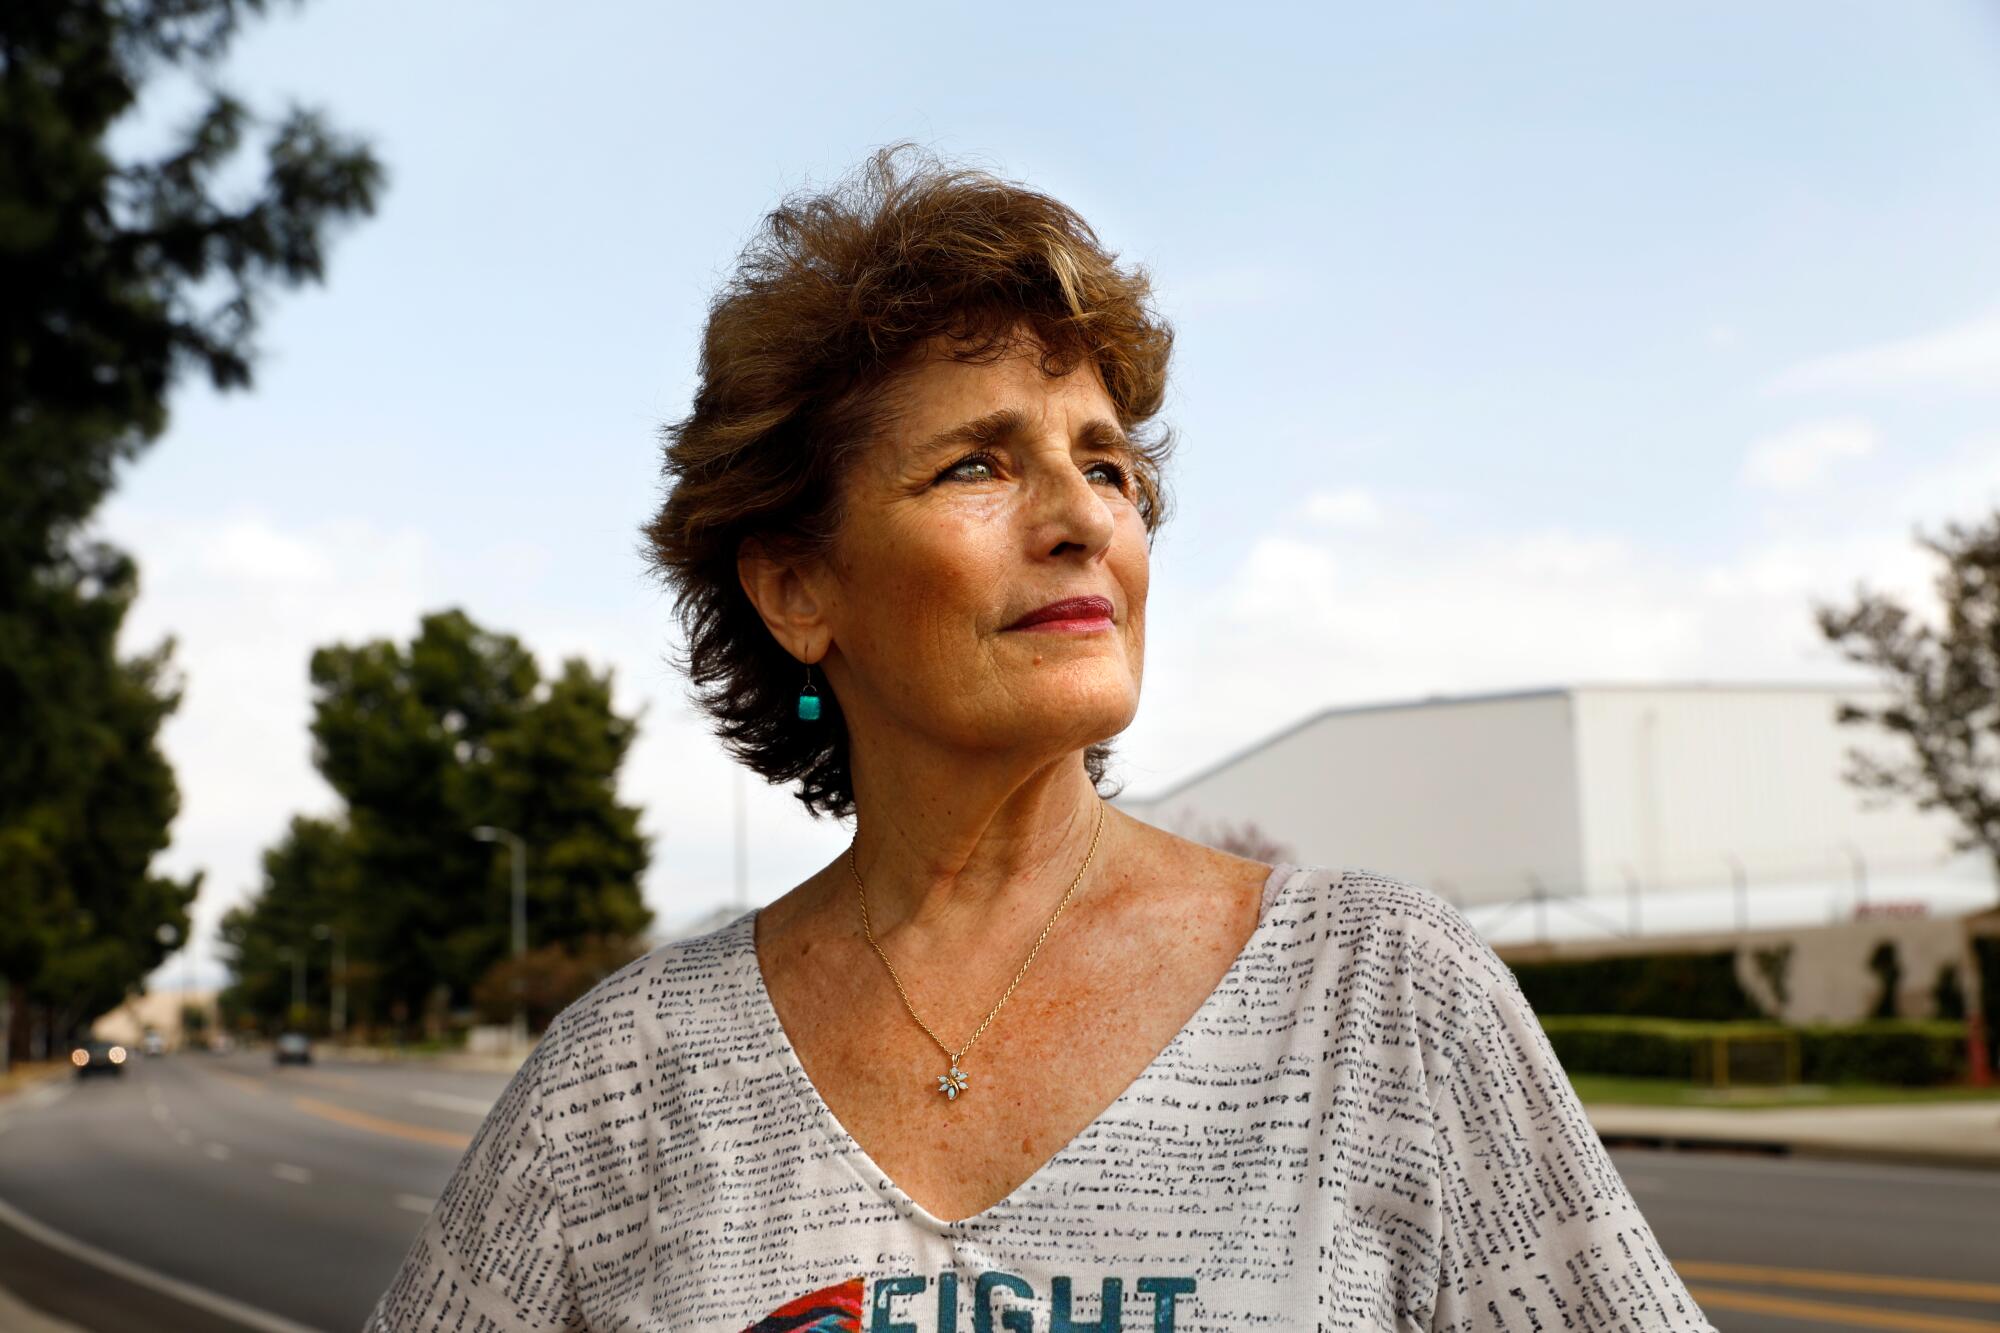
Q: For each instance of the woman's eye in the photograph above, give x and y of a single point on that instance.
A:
(983, 460)
(1119, 476)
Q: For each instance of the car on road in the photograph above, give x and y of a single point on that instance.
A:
(293, 1048)
(97, 1057)
(153, 1044)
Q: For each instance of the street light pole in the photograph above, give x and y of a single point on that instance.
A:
(489, 833)
(166, 935)
(1860, 864)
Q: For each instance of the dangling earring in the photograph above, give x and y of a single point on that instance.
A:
(809, 698)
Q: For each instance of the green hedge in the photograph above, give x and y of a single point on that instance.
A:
(1667, 985)
(1904, 1052)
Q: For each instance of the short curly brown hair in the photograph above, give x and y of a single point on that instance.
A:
(833, 296)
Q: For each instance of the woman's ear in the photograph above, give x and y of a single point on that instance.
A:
(785, 599)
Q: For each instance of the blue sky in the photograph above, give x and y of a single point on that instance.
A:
(1518, 345)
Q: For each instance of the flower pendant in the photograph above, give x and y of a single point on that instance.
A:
(953, 1083)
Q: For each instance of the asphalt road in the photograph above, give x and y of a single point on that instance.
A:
(250, 1196)
(292, 1190)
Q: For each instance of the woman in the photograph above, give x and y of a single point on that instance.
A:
(1015, 1059)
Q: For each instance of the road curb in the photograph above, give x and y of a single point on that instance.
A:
(19, 1318)
(1951, 1136)
(1765, 1147)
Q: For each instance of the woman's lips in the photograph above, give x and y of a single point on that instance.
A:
(1071, 615)
(1083, 625)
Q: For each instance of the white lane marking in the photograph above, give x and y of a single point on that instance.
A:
(160, 1112)
(219, 1151)
(298, 1175)
(183, 1137)
(200, 1297)
(444, 1101)
(415, 1203)
(46, 1094)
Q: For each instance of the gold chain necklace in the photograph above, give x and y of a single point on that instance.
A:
(953, 1083)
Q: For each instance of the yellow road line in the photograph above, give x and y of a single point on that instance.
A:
(328, 1080)
(376, 1124)
(1824, 1313)
(1880, 1284)
(242, 1081)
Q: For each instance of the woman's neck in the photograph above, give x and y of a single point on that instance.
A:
(942, 866)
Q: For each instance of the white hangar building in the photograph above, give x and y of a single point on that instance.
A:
(1595, 809)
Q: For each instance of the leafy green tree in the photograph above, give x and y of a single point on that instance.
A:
(119, 276)
(309, 881)
(424, 743)
(80, 909)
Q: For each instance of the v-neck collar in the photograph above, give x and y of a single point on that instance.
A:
(850, 1151)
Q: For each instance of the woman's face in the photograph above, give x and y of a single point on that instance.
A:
(997, 491)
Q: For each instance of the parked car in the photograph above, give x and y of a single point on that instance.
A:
(153, 1044)
(97, 1057)
(293, 1048)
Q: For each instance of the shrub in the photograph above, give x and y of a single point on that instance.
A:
(1902, 1052)
(1668, 985)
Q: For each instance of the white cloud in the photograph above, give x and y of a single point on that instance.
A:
(250, 550)
(1966, 356)
(1351, 507)
(1800, 456)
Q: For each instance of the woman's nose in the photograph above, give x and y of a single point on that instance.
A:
(1069, 511)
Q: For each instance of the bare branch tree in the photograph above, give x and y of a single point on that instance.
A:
(1944, 681)
(1245, 839)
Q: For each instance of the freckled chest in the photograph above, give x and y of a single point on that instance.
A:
(1086, 1021)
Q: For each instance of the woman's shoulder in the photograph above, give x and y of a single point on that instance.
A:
(671, 978)
(1398, 919)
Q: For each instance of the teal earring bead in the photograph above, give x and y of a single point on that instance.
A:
(809, 698)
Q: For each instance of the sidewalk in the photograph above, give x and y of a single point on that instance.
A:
(24, 1075)
(1950, 1134)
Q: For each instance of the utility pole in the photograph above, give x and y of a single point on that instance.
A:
(297, 958)
(488, 833)
(338, 1021)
